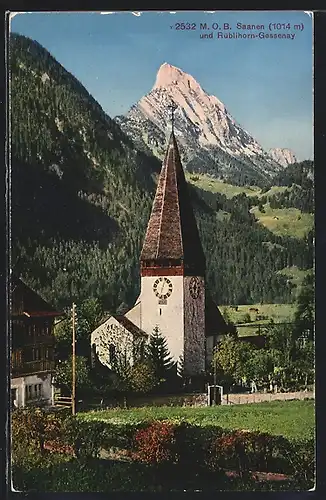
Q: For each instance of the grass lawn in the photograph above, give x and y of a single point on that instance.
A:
(280, 313)
(208, 183)
(289, 221)
(292, 419)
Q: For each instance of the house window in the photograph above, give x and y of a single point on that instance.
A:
(14, 397)
(36, 354)
(112, 353)
(38, 390)
(48, 353)
(28, 392)
(16, 359)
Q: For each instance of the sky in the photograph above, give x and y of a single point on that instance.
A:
(266, 84)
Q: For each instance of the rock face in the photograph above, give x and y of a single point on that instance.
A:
(210, 140)
(283, 156)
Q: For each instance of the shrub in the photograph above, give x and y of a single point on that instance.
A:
(84, 437)
(301, 459)
(243, 451)
(143, 377)
(30, 429)
(193, 444)
(120, 436)
(195, 449)
(155, 444)
(228, 451)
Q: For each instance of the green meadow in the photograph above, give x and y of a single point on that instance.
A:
(292, 419)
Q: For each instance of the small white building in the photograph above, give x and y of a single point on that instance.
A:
(117, 337)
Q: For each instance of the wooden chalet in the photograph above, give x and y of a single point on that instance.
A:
(32, 346)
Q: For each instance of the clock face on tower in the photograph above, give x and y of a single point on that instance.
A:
(194, 287)
(162, 288)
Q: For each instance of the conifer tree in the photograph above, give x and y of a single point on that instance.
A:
(159, 355)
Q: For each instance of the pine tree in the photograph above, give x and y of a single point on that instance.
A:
(159, 355)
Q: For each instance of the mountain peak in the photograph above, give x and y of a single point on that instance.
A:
(210, 140)
(283, 156)
(168, 75)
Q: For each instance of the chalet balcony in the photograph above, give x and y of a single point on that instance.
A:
(20, 340)
(30, 367)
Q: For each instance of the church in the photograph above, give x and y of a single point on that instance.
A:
(173, 295)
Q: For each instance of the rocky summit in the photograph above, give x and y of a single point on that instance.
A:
(210, 139)
(283, 156)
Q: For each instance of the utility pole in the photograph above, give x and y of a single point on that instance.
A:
(214, 393)
(73, 392)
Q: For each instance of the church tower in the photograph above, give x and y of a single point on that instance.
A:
(172, 261)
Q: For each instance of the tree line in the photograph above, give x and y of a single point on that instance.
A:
(82, 195)
(287, 360)
(285, 363)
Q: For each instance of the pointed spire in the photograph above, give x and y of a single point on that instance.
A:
(172, 108)
(172, 236)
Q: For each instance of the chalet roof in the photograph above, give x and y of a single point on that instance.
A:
(172, 232)
(130, 326)
(29, 303)
(214, 322)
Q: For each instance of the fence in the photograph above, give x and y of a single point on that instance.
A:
(62, 401)
(261, 397)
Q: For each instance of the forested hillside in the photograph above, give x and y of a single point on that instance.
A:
(82, 194)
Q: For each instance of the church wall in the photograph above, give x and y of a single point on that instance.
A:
(169, 318)
(194, 325)
(134, 315)
(111, 332)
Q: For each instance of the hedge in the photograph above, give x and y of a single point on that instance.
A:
(188, 447)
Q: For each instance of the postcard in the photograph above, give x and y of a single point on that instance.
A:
(161, 238)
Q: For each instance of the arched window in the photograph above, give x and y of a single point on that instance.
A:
(112, 353)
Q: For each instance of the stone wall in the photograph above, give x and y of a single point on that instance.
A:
(194, 329)
(199, 399)
(111, 332)
(259, 397)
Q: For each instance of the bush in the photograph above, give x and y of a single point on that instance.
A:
(301, 459)
(156, 443)
(30, 429)
(189, 449)
(193, 443)
(228, 451)
(84, 437)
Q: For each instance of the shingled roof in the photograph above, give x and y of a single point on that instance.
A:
(130, 326)
(26, 301)
(172, 233)
(214, 322)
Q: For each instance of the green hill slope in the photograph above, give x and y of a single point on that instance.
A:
(82, 195)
